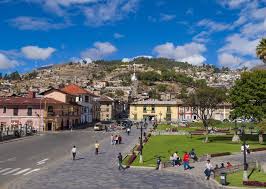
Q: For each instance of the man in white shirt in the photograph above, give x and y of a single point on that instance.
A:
(208, 169)
(74, 151)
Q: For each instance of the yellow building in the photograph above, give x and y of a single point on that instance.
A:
(174, 110)
(154, 110)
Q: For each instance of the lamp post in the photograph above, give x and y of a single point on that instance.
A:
(141, 146)
(245, 173)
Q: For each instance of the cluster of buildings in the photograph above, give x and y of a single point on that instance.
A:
(57, 109)
(172, 110)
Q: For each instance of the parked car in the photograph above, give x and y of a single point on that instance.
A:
(98, 127)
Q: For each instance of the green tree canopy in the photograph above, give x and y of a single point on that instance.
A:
(248, 96)
(261, 50)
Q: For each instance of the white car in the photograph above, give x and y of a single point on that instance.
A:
(98, 127)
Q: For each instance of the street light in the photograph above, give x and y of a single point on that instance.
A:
(245, 173)
(141, 146)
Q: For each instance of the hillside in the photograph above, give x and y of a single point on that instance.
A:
(155, 75)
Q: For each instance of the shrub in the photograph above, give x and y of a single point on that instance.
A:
(220, 154)
(149, 135)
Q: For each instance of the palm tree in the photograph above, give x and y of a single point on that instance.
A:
(261, 50)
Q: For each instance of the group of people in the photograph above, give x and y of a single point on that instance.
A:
(176, 161)
(209, 168)
(116, 139)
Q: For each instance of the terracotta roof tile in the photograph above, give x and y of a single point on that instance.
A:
(76, 90)
(27, 101)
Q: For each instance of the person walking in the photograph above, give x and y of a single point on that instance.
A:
(186, 161)
(97, 145)
(128, 131)
(119, 139)
(74, 151)
(158, 162)
(208, 169)
(112, 140)
(120, 159)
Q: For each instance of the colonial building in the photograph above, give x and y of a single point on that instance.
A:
(106, 108)
(39, 113)
(174, 110)
(84, 98)
(70, 110)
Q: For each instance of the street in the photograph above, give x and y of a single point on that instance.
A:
(30, 155)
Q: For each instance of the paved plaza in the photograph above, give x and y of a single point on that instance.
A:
(91, 171)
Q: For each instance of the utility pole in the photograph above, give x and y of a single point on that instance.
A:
(141, 146)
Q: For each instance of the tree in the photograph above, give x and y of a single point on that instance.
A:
(248, 96)
(261, 50)
(204, 101)
(153, 94)
(161, 87)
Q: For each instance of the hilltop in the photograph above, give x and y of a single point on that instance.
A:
(155, 75)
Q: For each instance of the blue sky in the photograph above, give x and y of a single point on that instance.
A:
(41, 32)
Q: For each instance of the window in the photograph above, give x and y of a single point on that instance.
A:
(86, 98)
(4, 109)
(15, 111)
(168, 109)
(50, 109)
(187, 108)
(153, 109)
(29, 113)
(107, 115)
(144, 109)
(135, 108)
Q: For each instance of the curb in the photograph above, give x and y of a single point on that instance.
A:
(141, 167)
(232, 187)
(17, 139)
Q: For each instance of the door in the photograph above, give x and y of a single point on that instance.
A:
(49, 126)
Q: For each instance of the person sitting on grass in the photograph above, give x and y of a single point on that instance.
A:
(172, 160)
(222, 166)
(228, 165)
(193, 155)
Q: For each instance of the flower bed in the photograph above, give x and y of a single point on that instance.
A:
(254, 183)
(131, 159)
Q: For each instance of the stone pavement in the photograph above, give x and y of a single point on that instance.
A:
(91, 171)
(197, 172)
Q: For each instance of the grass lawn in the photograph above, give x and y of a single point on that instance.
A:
(165, 145)
(235, 179)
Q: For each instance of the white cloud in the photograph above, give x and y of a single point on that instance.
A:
(118, 35)
(202, 37)
(212, 25)
(240, 45)
(167, 17)
(235, 62)
(233, 4)
(109, 12)
(136, 57)
(100, 50)
(229, 60)
(6, 63)
(190, 52)
(37, 53)
(34, 23)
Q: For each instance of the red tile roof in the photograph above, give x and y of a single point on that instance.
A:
(76, 90)
(27, 101)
